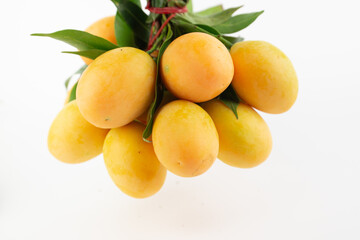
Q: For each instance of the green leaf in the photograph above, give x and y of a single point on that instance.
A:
(230, 99)
(78, 72)
(158, 89)
(136, 19)
(137, 2)
(79, 39)
(92, 53)
(183, 26)
(73, 92)
(212, 19)
(215, 33)
(211, 10)
(232, 105)
(233, 40)
(189, 6)
(237, 23)
(124, 34)
(208, 29)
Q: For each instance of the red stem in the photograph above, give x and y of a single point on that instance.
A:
(167, 10)
(152, 30)
(152, 40)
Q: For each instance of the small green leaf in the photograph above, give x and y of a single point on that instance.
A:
(237, 23)
(158, 89)
(136, 19)
(189, 6)
(73, 92)
(212, 19)
(232, 105)
(78, 72)
(79, 39)
(124, 34)
(211, 10)
(230, 99)
(92, 53)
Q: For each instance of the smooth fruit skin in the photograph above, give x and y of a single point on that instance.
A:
(117, 87)
(72, 139)
(185, 138)
(104, 28)
(196, 67)
(132, 163)
(244, 142)
(264, 76)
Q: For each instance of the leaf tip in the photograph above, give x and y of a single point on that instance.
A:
(146, 140)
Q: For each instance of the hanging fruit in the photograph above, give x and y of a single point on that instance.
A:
(169, 90)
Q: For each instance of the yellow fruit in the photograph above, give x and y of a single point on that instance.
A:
(196, 67)
(132, 163)
(104, 28)
(117, 87)
(264, 76)
(72, 139)
(244, 142)
(185, 138)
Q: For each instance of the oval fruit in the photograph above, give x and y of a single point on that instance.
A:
(72, 139)
(117, 87)
(185, 138)
(264, 76)
(104, 28)
(196, 67)
(244, 142)
(132, 163)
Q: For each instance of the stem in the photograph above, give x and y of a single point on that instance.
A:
(156, 44)
(151, 41)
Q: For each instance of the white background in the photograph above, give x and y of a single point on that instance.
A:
(308, 188)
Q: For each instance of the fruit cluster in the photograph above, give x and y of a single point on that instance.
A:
(179, 113)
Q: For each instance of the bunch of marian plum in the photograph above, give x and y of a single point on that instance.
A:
(192, 125)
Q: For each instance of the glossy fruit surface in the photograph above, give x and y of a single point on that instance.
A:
(132, 163)
(72, 139)
(264, 76)
(196, 67)
(244, 142)
(185, 138)
(113, 90)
